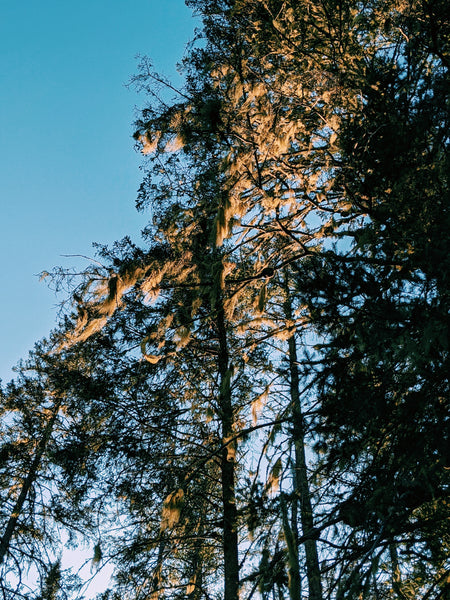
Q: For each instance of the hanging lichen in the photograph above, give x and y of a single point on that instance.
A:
(171, 511)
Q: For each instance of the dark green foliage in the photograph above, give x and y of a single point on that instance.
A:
(292, 292)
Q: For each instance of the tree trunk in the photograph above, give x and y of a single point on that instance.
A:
(301, 484)
(194, 590)
(27, 483)
(230, 535)
(291, 537)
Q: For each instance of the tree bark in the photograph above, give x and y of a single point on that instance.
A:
(301, 483)
(291, 537)
(230, 535)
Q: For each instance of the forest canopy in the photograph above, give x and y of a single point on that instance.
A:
(253, 402)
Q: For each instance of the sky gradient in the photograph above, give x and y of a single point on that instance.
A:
(69, 171)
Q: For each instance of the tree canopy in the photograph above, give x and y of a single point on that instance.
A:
(254, 402)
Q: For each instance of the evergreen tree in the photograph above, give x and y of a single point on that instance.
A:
(36, 419)
(298, 185)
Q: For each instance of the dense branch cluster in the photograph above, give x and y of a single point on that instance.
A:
(254, 404)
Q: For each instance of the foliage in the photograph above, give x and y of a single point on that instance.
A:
(260, 391)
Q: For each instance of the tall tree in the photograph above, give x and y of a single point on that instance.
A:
(37, 416)
(383, 309)
(305, 161)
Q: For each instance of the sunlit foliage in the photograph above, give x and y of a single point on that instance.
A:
(259, 394)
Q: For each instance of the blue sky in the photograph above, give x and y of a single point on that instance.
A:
(68, 169)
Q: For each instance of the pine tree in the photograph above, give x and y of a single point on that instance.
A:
(298, 189)
(37, 415)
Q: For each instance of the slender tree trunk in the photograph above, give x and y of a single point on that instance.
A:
(27, 483)
(291, 537)
(301, 483)
(230, 535)
(194, 591)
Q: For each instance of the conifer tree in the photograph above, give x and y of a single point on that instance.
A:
(299, 191)
(37, 415)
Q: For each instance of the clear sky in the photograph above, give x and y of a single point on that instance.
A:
(68, 169)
